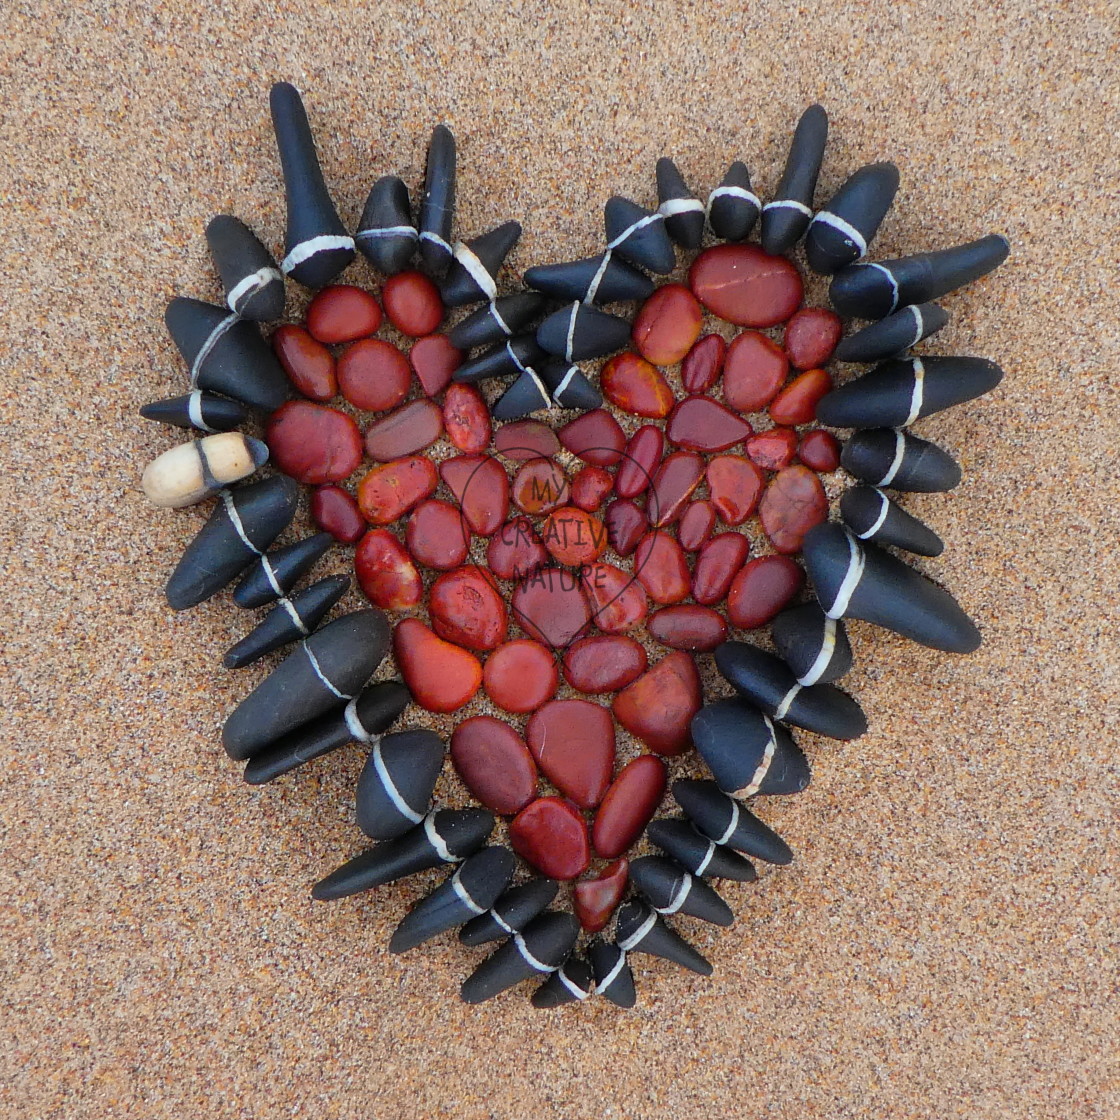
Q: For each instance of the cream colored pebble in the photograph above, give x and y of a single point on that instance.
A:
(192, 471)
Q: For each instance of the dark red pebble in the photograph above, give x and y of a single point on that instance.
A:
(594, 900)
(480, 486)
(334, 511)
(515, 551)
(573, 743)
(661, 567)
(494, 764)
(797, 402)
(702, 424)
(643, 453)
(636, 386)
(762, 590)
(696, 525)
(526, 439)
(342, 313)
(550, 606)
(550, 835)
(744, 285)
(716, 566)
(412, 303)
(811, 336)
(794, 502)
(628, 806)
(667, 325)
(441, 676)
(385, 574)
(436, 535)
(604, 663)
(735, 485)
(521, 675)
(466, 608)
(373, 375)
(819, 450)
(434, 360)
(756, 368)
(688, 627)
(594, 437)
(411, 428)
(466, 419)
(626, 523)
(703, 364)
(774, 449)
(658, 707)
(310, 366)
(677, 477)
(539, 487)
(618, 601)
(573, 536)
(590, 488)
(392, 489)
(312, 443)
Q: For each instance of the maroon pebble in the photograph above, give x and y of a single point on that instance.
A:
(526, 439)
(744, 285)
(696, 525)
(590, 488)
(636, 386)
(594, 437)
(703, 364)
(466, 419)
(667, 325)
(539, 487)
(386, 575)
(794, 502)
(628, 806)
(688, 626)
(550, 606)
(774, 449)
(373, 375)
(797, 402)
(313, 443)
(762, 590)
(811, 336)
(521, 675)
(756, 368)
(819, 450)
(573, 744)
(342, 313)
(481, 488)
(494, 764)
(594, 900)
(658, 707)
(310, 366)
(550, 835)
(677, 477)
(467, 609)
(618, 601)
(604, 663)
(412, 303)
(626, 524)
(412, 427)
(735, 485)
(389, 490)
(643, 453)
(661, 567)
(716, 566)
(434, 360)
(334, 511)
(702, 424)
(515, 551)
(436, 535)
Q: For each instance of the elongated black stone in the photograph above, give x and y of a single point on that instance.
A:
(505, 360)
(226, 354)
(813, 645)
(602, 279)
(898, 460)
(244, 523)
(316, 245)
(870, 291)
(670, 889)
(277, 572)
(514, 910)
(841, 232)
(872, 516)
(541, 947)
(639, 235)
(580, 331)
(197, 409)
(893, 335)
(473, 272)
(437, 207)
(395, 787)
(572, 981)
(503, 318)
(445, 836)
(254, 285)
(470, 890)
(528, 394)
(682, 210)
(641, 929)
(568, 385)
(733, 207)
(374, 710)
(614, 979)
(701, 855)
(331, 665)
(787, 217)
(855, 580)
(721, 818)
(386, 236)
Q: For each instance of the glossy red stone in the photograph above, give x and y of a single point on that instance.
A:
(677, 477)
(466, 419)
(385, 574)
(811, 336)
(412, 303)
(819, 450)
(521, 675)
(667, 325)
(643, 453)
(618, 601)
(552, 837)
(628, 806)
(744, 285)
(539, 487)
(373, 375)
(604, 663)
(481, 488)
(626, 523)
(465, 608)
(312, 443)
(658, 707)
(526, 439)
(441, 676)
(334, 511)
(703, 364)
(797, 402)
(573, 536)
(409, 429)
(696, 525)
(762, 590)
(716, 566)
(735, 485)
(688, 626)
(794, 502)
(436, 535)
(594, 900)
(515, 551)
(633, 385)
(590, 488)
(774, 449)
(702, 424)
(573, 743)
(550, 606)
(494, 764)
(595, 437)
(310, 366)
(434, 360)
(756, 368)
(342, 313)
(392, 489)
(661, 567)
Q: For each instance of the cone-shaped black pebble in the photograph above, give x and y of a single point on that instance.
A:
(641, 929)
(386, 235)
(468, 891)
(395, 786)
(200, 410)
(854, 580)
(733, 208)
(613, 978)
(670, 889)
(699, 854)
(785, 220)
(572, 981)
(639, 235)
(437, 207)
(601, 279)
(893, 335)
(568, 385)
(682, 210)
(766, 680)
(288, 621)
(331, 665)
(581, 331)
(724, 820)
(543, 946)
(514, 910)
(872, 516)
(244, 523)
(254, 285)
(277, 572)
(902, 390)
(510, 358)
(473, 273)
(226, 354)
(316, 245)
(499, 320)
(746, 752)
(813, 645)
(896, 459)
(870, 291)
(841, 232)
(445, 836)
(528, 394)
(374, 710)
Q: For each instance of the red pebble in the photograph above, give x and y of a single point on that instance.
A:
(411, 428)
(392, 489)
(436, 535)
(494, 764)
(594, 900)
(811, 336)
(515, 551)
(481, 488)
(658, 707)
(617, 600)
(774, 449)
(551, 607)
(573, 743)
(434, 360)
(313, 444)
(573, 536)
(594, 437)
(797, 402)
(696, 525)
(539, 487)
(604, 663)
(466, 609)
(308, 363)
(703, 364)
(735, 485)
(373, 375)
(385, 574)
(673, 484)
(441, 677)
(626, 523)
(551, 836)
(819, 450)
(526, 439)
(412, 303)
(466, 418)
(762, 590)
(520, 675)
(744, 285)
(628, 806)
(635, 386)
(590, 488)
(756, 368)
(643, 453)
(701, 424)
(334, 511)
(342, 313)
(661, 567)
(667, 325)
(716, 566)
(688, 627)
(794, 502)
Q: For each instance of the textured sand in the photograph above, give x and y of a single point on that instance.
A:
(944, 945)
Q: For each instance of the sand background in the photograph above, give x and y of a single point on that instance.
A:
(944, 945)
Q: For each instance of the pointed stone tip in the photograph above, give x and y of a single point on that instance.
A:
(283, 92)
(258, 451)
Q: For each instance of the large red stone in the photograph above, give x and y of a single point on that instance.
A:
(661, 567)
(392, 489)
(373, 375)
(310, 366)
(797, 402)
(434, 360)
(595, 437)
(716, 566)
(466, 609)
(628, 806)
(334, 511)
(594, 900)
(673, 484)
(539, 487)
(643, 453)
(466, 418)
(412, 303)
(633, 385)
(756, 368)
(735, 486)
(385, 574)
(494, 764)
(312, 443)
(590, 488)
(702, 424)
(550, 606)
(703, 364)
(441, 677)
(551, 836)
(658, 707)
(819, 450)
(481, 488)
(526, 439)
(688, 627)
(811, 336)
(409, 429)
(521, 675)
(342, 313)
(617, 600)
(573, 536)
(604, 663)
(744, 285)
(774, 449)
(573, 743)
(626, 523)
(436, 535)
(794, 502)
(696, 525)
(762, 590)
(667, 325)
(515, 551)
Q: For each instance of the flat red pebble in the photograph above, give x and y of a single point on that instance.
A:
(434, 360)
(595, 437)
(466, 608)
(618, 601)
(658, 707)
(756, 368)
(794, 502)
(412, 303)
(480, 486)
(702, 424)
(594, 900)
(590, 488)
(342, 313)
(334, 511)
(390, 490)
(573, 743)
(696, 525)
(634, 385)
(550, 835)
(539, 487)
(436, 535)
(735, 486)
(312, 443)
(441, 676)
(763, 588)
(526, 439)
(573, 536)
(626, 523)
(409, 429)
(628, 806)
(774, 449)
(744, 285)
(811, 336)
(677, 477)
(604, 663)
(494, 764)
(667, 325)
(639, 461)
(373, 375)
(386, 575)
(515, 551)
(819, 450)
(466, 419)
(661, 567)
(310, 366)
(521, 675)
(716, 566)
(703, 364)
(688, 627)
(550, 606)
(797, 402)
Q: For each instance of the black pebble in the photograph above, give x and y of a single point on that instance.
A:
(542, 946)
(197, 409)
(395, 786)
(641, 929)
(682, 210)
(601, 279)
(514, 910)
(721, 818)
(893, 335)
(572, 981)
(568, 385)
(614, 979)
(473, 273)
(698, 853)
(386, 235)
(787, 217)
(503, 318)
(871, 515)
(277, 572)
(254, 285)
(505, 360)
(896, 459)
(593, 334)
(841, 232)
(670, 889)
(528, 394)
(639, 235)
(813, 645)
(437, 208)
(733, 207)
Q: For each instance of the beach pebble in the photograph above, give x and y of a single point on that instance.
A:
(735, 485)
(343, 313)
(893, 335)
(811, 336)
(643, 452)
(841, 231)
(611, 282)
(694, 851)
(733, 207)
(716, 566)
(626, 524)
(466, 419)
(480, 486)
(667, 325)
(434, 360)
(394, 789)
(573, 744)
(390, 490)
(310, 366)
(551, 607)
(373, 375)
(639, 235)
(526, 439)
(682, 210)
(702, 424)
(603, 663)
(594, 900)
(797, 402)
(696, 525)
(436, 535)
(539, 487)
(722, 818)
(671, 889)
(688, 627)
(896, 459)
(515, 551)
(871, 515)
(703, 364)
(494, 764)
(772, 450)
(473, 273)
(437, 203)
(465, 608)
(543, 947)
(573, 536)
(386, 575)
(787, 217)
(793, 503)
(633, 385)
(197, 409)
(618, 601)
(819, 450)
(254, 285)
(386, 235)
(442, 677)
(745, 286)
(590, 488)
(674, 483)
(408, 429)
(595, 437)
(814, 646)
(761, 589)
(277, 572)
(412, 303)
(642, 930)
(312, 443)
(187, 474)
(658, 707)
(628, 806)
(521, 675)
(581, 331)
(755, 369)
(661, 567)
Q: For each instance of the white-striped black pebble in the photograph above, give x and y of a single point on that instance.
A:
(395, 786)
(639, 235)
(813, 645)
(277, 572)
(542, 946)
(386, 236)
(872, 516)
(701, 855)
(893, 335)
(843, 229)
(723, 819)
(514, 910)
(898, 460)
(640, 929)
(786, 217)
(253, 282)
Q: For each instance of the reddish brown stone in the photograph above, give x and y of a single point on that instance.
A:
(744, 285)
(466, 609)
(481, 488)
(794, 502)
(334, 511)
(617, 600)
(701, 424)
(594, 900)
(437, 536)
(756, 368)
(466, 418)
(392, 489)
(658, 707)
(434, 360)
(716, 566)
(308, 363)
(412, 303)
(573, 743)
(526, 439)
(643, 453)
(696, 525)
(688, 627)
(409, 429)
(550, 606)
(494, 764)
(628, 806)
(539, 487)
(594, 437)
(735, 485)
(385, 574)
(811, 336)
(441, 677)
(774, 449)
(703, 364)
(604, 663)
(521, 675)
(312, 443)
(673, 484)
(551, 836)
(590, 488)
(573, 536)
(661, 567)
(762, 590)
(797, 402)
(373, 375)
(667, 325)
(342, 313)
(632, 384)
(819, 450)
(515, 551)
(626, 523)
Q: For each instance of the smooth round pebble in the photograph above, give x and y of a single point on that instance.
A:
(373, 375)
(604, 663)
(386, 575)
(310, 366)
(628, 806)
(342, 313)
(762, 589)
(433, 359)
(494, 764)
(408, 429)
(312, 443)
(436, 535)
(688, 626)
(550, 835)
(412, 303)
(520, 676)
(667, 325)
(465, 608)
(334, 511)
(744, 285)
